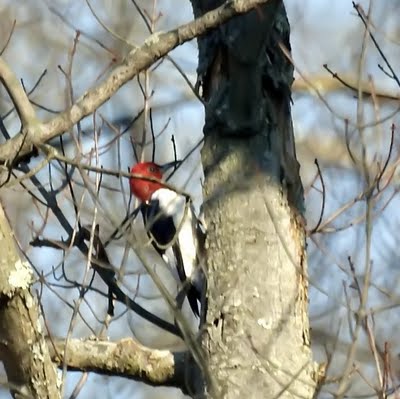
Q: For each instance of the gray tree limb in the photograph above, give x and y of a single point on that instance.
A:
(125, 358)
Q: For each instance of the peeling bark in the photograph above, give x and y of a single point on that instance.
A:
(23, 350)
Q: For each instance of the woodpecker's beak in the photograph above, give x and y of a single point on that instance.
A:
(166, 167)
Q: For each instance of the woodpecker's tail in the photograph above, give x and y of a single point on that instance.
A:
(194, 298)
(193, 295)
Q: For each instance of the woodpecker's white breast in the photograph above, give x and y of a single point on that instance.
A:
(171, 203)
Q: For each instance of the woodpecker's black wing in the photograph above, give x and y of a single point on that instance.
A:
(160, 227)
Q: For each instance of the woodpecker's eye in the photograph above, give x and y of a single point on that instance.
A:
(152, 169)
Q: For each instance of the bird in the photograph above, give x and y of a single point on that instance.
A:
(175, 230)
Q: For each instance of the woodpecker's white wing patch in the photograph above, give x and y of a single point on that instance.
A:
(188, 244)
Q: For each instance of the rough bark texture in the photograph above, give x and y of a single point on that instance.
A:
(257, 331)
(23, 350)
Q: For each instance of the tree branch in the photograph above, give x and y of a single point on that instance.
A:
(17, 94)
(125, 358)
(327, 84)
(154, 48)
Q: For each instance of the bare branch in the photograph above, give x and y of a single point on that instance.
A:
(336, 81)
(15, 90)
(124, 358)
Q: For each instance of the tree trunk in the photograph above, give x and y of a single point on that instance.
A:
(23, 350)
(257, 332)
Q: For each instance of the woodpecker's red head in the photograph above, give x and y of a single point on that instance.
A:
(143, 189)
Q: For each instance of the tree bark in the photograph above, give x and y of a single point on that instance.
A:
(23, 350)
(257, 331)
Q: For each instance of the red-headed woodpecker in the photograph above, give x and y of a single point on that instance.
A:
(173, 227)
